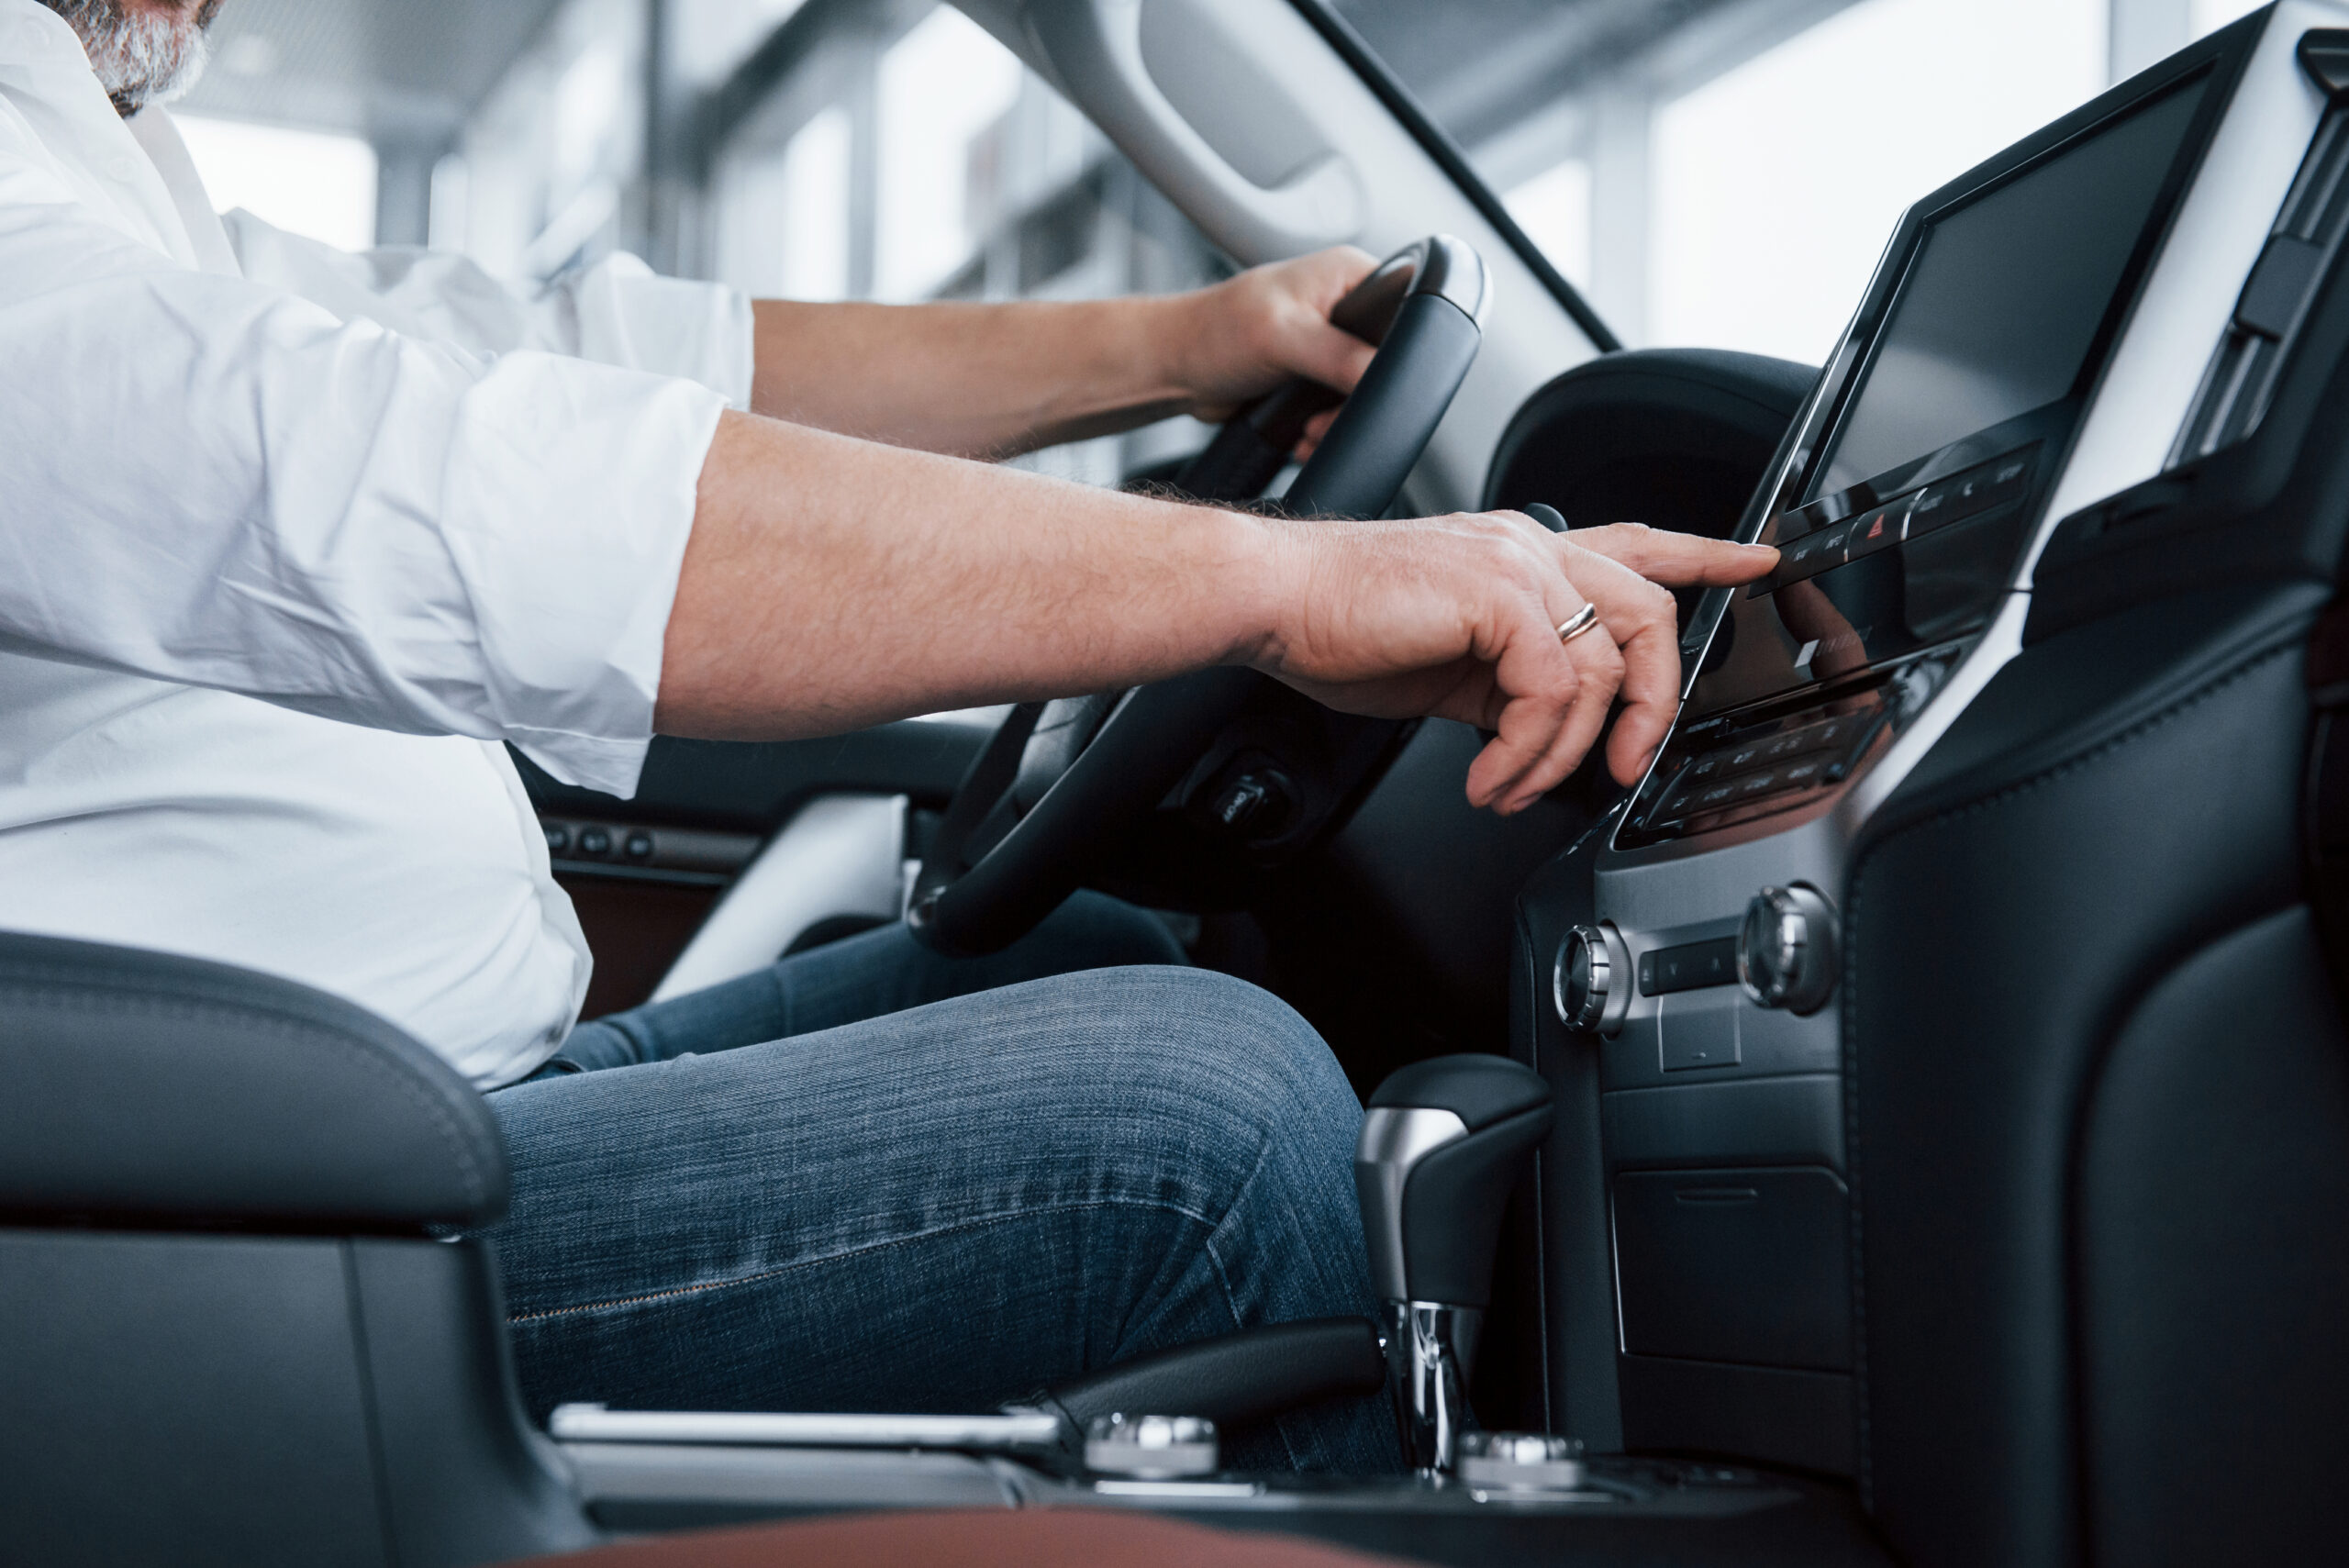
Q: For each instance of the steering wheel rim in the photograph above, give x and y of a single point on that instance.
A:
(995, 871)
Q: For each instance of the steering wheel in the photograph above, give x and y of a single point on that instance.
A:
(1061, 784)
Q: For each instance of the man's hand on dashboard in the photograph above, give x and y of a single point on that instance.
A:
(1458, 617)
(1242, 338)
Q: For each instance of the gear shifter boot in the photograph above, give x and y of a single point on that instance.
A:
(1443, 1143)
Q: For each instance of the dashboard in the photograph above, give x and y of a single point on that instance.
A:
(2095, 307)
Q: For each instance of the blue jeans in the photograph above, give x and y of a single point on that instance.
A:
(868, 1178)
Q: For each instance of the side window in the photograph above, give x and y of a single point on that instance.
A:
(889, 152)
(934, 165)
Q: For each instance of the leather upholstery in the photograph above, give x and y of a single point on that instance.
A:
(1075, 1539)
(1479, 1089)
(151, 1088)
(2124, 794)
(2214, 1261)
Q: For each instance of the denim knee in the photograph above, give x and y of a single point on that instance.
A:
(1287, 1064)
(1254, 1131)
(1240, 1060)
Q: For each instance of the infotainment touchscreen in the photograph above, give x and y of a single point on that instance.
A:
(1915, 507)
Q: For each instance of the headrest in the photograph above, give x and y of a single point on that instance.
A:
(143, 1088)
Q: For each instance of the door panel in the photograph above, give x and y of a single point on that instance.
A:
(644, 872)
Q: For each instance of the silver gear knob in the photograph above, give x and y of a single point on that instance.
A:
(1443, 1143)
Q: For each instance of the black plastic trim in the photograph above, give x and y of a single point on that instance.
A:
(1239, 1379)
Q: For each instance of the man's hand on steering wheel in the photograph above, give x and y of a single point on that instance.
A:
(1458, 617)
(1247, 335)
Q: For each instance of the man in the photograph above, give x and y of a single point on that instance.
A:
(295, 543)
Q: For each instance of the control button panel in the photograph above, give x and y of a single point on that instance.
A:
(1807, 557)
(686, 856)
(1780, 755)
(1969, 494)
(1823, 535)
(1719, 773)
(1688, 967)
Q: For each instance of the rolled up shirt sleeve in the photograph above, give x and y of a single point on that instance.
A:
(615, 312)
(213, 481)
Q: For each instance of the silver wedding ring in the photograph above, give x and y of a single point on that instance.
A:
(1574, 625)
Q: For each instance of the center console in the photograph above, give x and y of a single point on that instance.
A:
(2097, 305)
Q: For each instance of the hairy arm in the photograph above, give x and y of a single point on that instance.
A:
(830, 584)
(992, 380)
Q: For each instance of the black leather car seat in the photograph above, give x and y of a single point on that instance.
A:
(240, 1323)
(229, 1332)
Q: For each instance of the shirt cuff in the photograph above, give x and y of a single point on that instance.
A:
(571, 495)
(631, 315)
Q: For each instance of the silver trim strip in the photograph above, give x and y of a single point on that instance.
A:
(977, 1434)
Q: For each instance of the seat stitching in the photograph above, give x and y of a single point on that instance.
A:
(798, 1264)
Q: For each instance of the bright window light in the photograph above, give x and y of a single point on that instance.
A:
(783, 216)
(305, 182)
(2209, 16)
(1777, 185)
(942, 85)
(814, 250)
(1554, 208)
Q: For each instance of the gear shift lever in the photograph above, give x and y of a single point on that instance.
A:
(1440, 1148)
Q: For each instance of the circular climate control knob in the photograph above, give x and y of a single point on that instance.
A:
(1786, 953)
(1590, 985)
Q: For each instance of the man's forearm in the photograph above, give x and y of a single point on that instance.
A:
(832, 583)
(987, 380)
(976, 380)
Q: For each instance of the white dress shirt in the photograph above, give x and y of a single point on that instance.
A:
(290, 543)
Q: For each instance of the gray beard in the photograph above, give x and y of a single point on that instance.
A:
(140, 59)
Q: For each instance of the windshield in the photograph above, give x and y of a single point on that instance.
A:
(1725, 175)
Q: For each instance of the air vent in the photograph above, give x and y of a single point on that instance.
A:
(2299, 255)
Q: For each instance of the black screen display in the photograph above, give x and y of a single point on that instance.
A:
(2005, 296)
(1976, 367)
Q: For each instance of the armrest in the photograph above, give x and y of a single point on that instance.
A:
(141, 1087)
